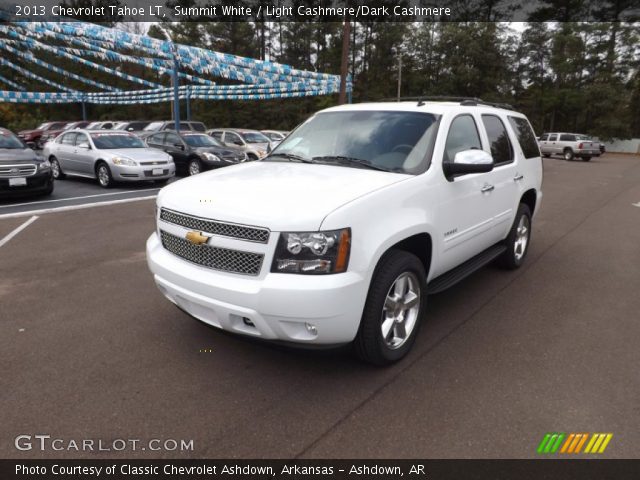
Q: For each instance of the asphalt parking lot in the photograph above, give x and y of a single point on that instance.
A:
(90, 349)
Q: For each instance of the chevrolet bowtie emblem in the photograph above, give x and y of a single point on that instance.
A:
(196, 238)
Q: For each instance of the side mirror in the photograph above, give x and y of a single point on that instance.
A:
(84, 145)
(31, 145)
(468, 161)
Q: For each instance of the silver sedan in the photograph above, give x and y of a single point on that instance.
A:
(108, 156)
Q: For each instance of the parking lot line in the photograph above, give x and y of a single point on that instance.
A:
(75, 207)
(79, 198)
(16, 231)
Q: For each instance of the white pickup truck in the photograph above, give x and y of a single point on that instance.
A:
(342, 231)
(569, 145)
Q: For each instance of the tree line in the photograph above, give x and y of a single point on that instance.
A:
(566, 76)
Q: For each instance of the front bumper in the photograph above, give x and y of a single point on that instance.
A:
(315, 310)
(41, 181)
(124, 173)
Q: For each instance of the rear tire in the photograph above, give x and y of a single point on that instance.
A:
(394, 308)
(518, 240)
(568, 154)
(56, 169)
(586, 159)
(103, 173)
(546, 155)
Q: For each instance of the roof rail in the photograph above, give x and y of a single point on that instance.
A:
(466, 101)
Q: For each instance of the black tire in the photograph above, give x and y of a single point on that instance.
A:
(103, 174)
(194, 167)
(161, 182)
(49, 190)
(251, 157)
(568, 154)
(586, 159)
(58, 174)
(511, 259)
(546, 155)
(369, 343)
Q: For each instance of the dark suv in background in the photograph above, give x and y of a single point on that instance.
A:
(22, 171)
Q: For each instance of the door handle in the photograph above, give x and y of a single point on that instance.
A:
(487, 188)
(518, 177)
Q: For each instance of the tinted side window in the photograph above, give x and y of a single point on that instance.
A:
(232, 138)
(217, 135)
(501, 150)
(567, 138)
(69, 139)
(553, 138)
(82, 138)
(463, 135)
(543, 137)
(172, 139)
(198, 127)
(526, 138)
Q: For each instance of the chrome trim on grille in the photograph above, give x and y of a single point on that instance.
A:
(23, 170)
(216, 258)
(215, 227)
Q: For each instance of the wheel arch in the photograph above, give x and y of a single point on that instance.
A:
(529, 198)
(419, 244)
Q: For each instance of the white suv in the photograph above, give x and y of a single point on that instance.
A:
(341, 232)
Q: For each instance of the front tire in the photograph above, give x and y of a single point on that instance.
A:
(586, 159)
(194, 167)
(105, 179)
(393, 310)
(56, 170)
(518, 240)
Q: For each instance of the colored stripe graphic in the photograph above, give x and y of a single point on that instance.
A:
(572, 443)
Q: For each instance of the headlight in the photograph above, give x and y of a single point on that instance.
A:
(312, 252)
(124, 161)
(44, 165)
(209, 156)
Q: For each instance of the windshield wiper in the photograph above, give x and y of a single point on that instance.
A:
(355, 161)
(291, 157)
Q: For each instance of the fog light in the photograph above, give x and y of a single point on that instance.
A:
(311, 329)
(247, 322)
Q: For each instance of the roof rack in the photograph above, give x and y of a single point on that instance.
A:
(466, 101)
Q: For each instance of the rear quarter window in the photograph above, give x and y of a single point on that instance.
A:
(526, 137)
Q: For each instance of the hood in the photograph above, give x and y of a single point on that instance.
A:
(141, 154)
(278, 196)
(14, 155)
(223, 152)
(29, 132)
(258, 146)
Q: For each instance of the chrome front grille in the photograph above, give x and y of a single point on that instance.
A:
(17, 170)
(161, 162)
(216, 258)
(241, 232)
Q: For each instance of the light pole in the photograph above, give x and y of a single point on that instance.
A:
(174, 80)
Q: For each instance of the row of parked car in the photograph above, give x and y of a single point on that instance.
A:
(122, 152)
(50, 130)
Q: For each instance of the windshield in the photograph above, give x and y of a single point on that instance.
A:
(9, 141)
(394, 141)
(154, 126)
(254, 137)
(110, 141)
(200, 141)
(583, 137)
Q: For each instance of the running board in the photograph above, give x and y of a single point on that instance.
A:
(462, 271)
